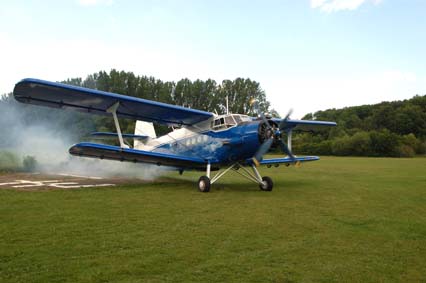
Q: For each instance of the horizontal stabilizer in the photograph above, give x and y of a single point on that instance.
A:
(57, 95)
(132, 155)
(115, 135)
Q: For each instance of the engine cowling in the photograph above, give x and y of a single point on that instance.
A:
(265, 132)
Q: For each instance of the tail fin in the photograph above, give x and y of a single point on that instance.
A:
(144, 129)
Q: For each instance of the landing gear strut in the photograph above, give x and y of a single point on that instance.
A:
(265, 183)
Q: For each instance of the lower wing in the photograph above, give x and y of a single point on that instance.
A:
(288, 160)
(133, 155)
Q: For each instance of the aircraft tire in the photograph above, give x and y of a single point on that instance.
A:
(204, 184)
(267, 184)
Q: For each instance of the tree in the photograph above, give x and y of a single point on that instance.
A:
(240, 92)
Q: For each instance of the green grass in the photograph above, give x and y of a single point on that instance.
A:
(336, 220)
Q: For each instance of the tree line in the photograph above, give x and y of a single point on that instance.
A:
(385, 129)
(396, 129)
(205, 95)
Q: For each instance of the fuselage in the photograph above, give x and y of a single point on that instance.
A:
(222, 140)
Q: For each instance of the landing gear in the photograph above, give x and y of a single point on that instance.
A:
(204, 184)
(267, 184)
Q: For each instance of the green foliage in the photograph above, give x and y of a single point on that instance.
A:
(9, 161)
(203, 95)
(386, 129)
(29, 163)
(18, 117)
(405, 151)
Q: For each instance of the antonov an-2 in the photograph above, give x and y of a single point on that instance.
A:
(200, 140)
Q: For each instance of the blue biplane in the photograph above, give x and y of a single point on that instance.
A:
(199, 140)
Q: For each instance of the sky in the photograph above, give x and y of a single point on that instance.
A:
(307, 55)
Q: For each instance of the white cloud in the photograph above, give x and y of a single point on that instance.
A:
(95, 2)
(330, 6)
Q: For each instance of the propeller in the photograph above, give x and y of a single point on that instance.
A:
(282, 126)
(283, 122)
(272, 132)
(255, 104)
(263, 149)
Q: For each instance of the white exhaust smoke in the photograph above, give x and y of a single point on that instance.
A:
(48, 143)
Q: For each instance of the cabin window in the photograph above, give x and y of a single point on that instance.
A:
(219, 124)
(224, 122)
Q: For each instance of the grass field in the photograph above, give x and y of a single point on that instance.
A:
(336, 220)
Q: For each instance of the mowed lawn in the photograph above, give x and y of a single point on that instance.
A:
(335, 220)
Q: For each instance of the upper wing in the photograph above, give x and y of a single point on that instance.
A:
(305, 125)
(59, 95)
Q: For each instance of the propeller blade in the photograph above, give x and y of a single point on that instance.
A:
(289, 114)
(255, 105)
(265, 121)
(263, 149)
(284, 121)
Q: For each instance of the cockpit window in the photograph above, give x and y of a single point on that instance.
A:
(224, 122)
(229, 121)
(244, 118)
(237, 119)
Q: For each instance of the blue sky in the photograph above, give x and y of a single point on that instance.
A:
(307, 54)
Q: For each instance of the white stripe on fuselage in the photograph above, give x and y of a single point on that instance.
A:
(178, 135)
(194, 134)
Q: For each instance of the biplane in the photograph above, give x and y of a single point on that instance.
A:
(199, 140)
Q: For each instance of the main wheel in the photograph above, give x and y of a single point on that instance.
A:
(267, 184)
(204, 184)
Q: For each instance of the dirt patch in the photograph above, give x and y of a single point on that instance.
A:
(38, 181)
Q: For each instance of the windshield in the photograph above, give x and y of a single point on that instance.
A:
(227, 121)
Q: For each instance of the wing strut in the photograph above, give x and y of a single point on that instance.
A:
(113, 111)
(289, 137)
